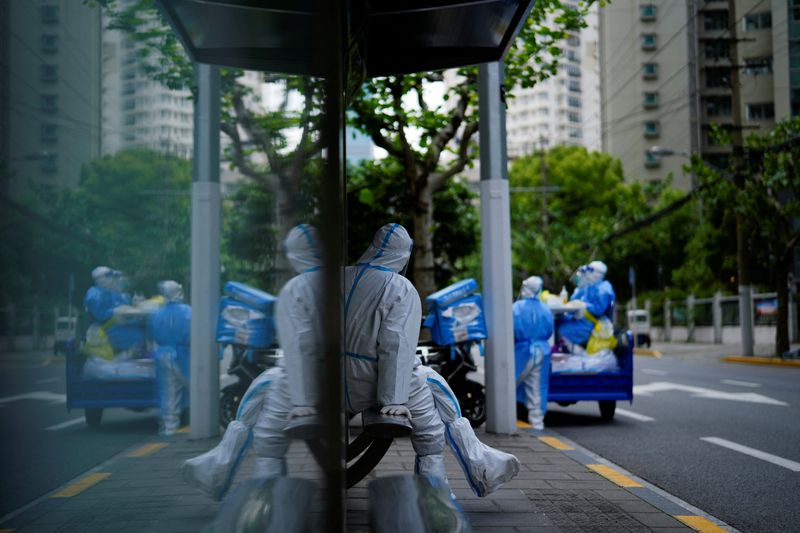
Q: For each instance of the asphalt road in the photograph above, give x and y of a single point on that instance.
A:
(43, 445)
(740, 411)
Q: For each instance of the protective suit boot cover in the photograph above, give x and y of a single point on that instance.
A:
(432, 468)
(213, 471)
(485, 467)
(270, 467)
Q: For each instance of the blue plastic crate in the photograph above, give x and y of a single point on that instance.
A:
(243, 324)
(255, 298)
(444, 297)
(456, 314)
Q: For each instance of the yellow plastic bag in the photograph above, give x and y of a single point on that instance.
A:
(602, 337)
(97, 343)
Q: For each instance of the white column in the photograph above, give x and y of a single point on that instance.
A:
(496, 254)
(204, 367)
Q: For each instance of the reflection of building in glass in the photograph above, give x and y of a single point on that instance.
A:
(666, 73)
(564, 109)
(139, 112)
(49, 90)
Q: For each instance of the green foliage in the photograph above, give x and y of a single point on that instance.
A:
(592, 202)
(375, 196)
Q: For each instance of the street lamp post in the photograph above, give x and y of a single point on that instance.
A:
(743, 274)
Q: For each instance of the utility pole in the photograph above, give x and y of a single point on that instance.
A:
(745, 287)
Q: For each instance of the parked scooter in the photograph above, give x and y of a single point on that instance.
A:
(454, 363)
(246, 364)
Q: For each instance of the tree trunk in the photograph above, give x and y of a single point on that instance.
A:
(782, 329)
(424, 267)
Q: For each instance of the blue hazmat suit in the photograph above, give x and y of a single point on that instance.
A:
(100, 303)
(533, 327)
(599, 298)
(170, 328)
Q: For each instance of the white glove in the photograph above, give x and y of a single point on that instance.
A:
(301, 411)
(396, 410)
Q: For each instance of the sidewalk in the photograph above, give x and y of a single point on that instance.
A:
(559, 488)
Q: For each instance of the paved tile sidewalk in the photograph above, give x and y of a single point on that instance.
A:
(144, 492)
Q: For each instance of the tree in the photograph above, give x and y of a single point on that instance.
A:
(592, 203)
(433, 141)
(768, 199)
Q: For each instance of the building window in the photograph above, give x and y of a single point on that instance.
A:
(573, 40)
(49, 103)
(49, 73)
(715, 20)
(718, 78)
(573, 56)
(130, 120)
(758, 66)
(49, 133)
(574, 117)
(758, 21)
(49, 43)
(574, 101)
(650, 100)
(129, 104)
(574, 133)
(650, 71)
(128, 88)
(647, 12)
(651, 160)
(762, 111)
(49, 14)
(50, 164)
(574, 71)
(794, 10)
(652, 129)
(718, 106)
(649, 41)
(574, 86)
(716, 49)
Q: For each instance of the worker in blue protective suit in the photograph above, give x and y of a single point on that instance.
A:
(533, 327)
(598, 297)
(99, 303)
(170, 328)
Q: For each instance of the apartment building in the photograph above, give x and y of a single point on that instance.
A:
(564, 109)
(49, 91)
(667, 77)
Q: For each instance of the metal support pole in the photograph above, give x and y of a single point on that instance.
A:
(496, 253)
(690, 318)
(716, 314)
(667, 320)
(204, 367)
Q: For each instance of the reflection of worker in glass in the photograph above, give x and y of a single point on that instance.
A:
(170, 328)
(533, 326)
(598, 297)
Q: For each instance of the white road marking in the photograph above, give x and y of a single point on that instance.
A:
(700, 392)
(45, 396)
(66, 424)
(635, 416)
(654, 372)
(741, 383)
(48, 380)
(764, 456)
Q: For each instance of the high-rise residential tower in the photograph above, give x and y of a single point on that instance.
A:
(50, 110)
(667, 77)
(563, 109)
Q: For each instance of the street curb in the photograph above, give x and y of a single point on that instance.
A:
(658, 498)
(647, 352)
(773, 361)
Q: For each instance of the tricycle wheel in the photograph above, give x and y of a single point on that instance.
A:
(473, 403)
(607, 409)
(93, 416)
(229, 401)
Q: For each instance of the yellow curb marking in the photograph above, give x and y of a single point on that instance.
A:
(6, 530)
(523, 425)
(698, 523)
(556, 443)
(613, 475)
(760, 360)
(148, 449)
(184, 429)
(648, 353)
(80, 486)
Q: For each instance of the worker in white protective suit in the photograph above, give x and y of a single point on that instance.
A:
(170, 328)
(533, 327)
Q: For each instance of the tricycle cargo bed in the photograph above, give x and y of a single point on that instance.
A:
(571, 387)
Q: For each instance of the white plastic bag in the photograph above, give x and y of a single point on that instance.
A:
(486, 468)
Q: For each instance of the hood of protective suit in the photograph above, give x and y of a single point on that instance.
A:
(103, 277)
(302, 248)
(531, 287)
(390, 248)
(171, 290)
(590, 274)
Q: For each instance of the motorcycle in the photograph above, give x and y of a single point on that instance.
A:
(246, 364)
(454, 363)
